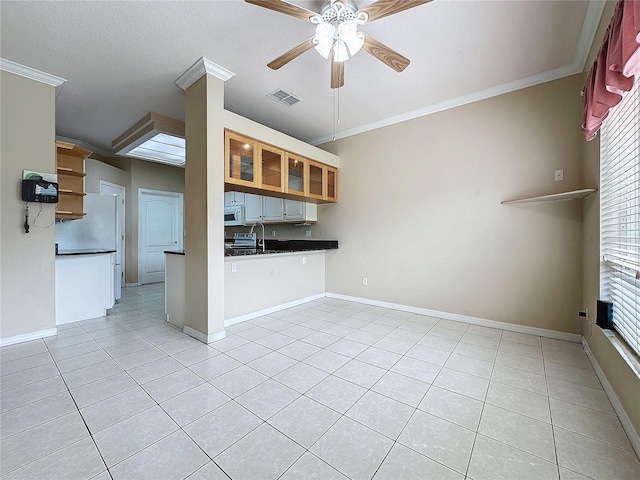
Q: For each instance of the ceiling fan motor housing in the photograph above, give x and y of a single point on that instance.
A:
(344, 12)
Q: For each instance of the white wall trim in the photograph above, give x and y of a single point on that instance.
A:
(634, 438)
(25, 337)
(198, 69)
(587, 34)
(30, 73)
(542, 332)
(198, 335)
(248, 316)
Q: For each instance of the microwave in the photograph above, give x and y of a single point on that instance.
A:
(233, 216)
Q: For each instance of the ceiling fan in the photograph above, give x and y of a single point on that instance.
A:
(336, 32)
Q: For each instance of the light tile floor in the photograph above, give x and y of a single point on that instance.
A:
(326, 390)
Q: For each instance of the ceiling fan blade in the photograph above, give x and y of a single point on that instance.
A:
(385, 54)
(284, 7)
(337, 74)
(384, 8)
(291, 54)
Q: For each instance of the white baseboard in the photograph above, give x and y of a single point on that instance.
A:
(634, 438)
(25, 337)
(542, 332)
(198, 335)
(248, 316)
(135, 284)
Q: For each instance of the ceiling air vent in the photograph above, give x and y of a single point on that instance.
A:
(285, 98)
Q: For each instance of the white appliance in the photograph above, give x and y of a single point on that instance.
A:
(97, 231)
(234, 215)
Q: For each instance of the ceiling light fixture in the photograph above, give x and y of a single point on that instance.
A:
(337, 30)
(155, 138)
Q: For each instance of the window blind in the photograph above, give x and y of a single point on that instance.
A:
(620, 215)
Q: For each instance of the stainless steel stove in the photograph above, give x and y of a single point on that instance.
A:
(243, 244)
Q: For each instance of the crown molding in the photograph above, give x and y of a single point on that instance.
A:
(589, 29)
(200, 68)
(455, 102)
(30, 73)
(588, 32)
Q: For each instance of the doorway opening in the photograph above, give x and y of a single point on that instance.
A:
(160, 228)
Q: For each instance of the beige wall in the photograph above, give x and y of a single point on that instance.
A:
(271, 280)
(622, 378)
(420, 214)
(27, 300)
(97, 170)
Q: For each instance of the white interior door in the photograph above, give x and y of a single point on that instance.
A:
(160, 228)
(107, 188)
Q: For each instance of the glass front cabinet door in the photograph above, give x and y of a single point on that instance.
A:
(271, 167)
(332, 184)
(295, 175)
(317, 180)
(241, 167)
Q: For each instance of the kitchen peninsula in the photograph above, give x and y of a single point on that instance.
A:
(288, 273)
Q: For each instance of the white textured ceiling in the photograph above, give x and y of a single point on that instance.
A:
(120, 59)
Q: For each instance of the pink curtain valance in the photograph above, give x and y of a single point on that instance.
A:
(614, 68)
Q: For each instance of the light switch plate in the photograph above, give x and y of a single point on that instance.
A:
(558, 175)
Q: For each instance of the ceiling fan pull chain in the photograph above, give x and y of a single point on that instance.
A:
(334, 115)
(336, 111)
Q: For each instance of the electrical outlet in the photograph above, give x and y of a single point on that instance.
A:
(365, 280)
(558, 175)
(304, 260)
(308, 233)
(234, 267)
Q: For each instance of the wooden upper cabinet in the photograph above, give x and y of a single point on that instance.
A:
(255, 167)
(332, 184)
(295, 175)
(241, 160)
(70, 170)
(317, 180)
(272, 168)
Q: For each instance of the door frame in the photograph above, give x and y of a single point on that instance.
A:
(123, 225)
(180, 197)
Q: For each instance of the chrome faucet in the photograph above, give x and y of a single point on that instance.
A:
(251, 232)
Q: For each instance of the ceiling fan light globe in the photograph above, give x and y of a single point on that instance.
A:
(354, 44)
(323, 48)
(340, 51)
(325, 32)
(347, 29)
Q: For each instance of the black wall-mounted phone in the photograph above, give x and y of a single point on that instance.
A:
(38, 190)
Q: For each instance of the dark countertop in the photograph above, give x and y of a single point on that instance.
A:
(285, 246)
(277, 246)
(82, 251)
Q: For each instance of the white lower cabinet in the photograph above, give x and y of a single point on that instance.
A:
(276, 210)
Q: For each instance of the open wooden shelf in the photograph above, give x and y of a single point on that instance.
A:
(70, 172)
(71, 175)
(555, 197)
(64, 191)
(68, 214)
